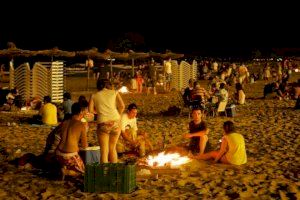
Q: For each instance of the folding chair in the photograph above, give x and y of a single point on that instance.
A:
(222, 108)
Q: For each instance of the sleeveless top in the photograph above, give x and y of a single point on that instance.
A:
(236, 153)
(105, 105)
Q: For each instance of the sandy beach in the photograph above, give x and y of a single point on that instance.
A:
(271, 129)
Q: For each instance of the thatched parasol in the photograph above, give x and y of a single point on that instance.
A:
(14, 51)
(115, 55)
(136, 55)
(55, 52)
(155, 54)
(170, 54)
(92, 53)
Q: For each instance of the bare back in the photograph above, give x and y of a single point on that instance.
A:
(73, 131)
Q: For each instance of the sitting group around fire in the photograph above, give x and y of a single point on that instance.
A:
(118, 134)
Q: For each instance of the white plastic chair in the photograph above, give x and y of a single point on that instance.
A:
(222, 107)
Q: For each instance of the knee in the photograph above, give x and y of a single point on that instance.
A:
(204, 138)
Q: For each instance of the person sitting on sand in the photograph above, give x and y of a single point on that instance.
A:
(67, 105)
(297, 95)
(73, 130)
(232, 149)
(48, 112)
(198, 133)
(131, 139)
(187, 95)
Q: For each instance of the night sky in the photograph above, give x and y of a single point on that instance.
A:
(185, 28)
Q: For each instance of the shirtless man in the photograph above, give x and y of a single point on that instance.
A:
(73, 130)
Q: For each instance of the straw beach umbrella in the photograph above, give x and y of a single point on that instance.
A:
(153, 54)
(14, 52)
(170, 54)
(115, 55)
(92, 53)
(136, 55)
(55, 52)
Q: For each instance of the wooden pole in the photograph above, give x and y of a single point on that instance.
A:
(111, 69)
(132, 60)
(88, 78)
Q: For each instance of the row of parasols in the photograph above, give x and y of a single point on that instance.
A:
(91, 53)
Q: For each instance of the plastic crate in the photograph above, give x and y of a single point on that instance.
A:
(110, 177)
(89, 178)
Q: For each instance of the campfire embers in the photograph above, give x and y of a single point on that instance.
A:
(163, 164)
(170, 160)
(123, 89)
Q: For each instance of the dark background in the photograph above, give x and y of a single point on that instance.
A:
(187, 27)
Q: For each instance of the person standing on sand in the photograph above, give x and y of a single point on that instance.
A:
(232, 149)
(168, 74)
(108, 105)
(73, 131)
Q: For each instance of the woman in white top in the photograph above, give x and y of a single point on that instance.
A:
(108, 105)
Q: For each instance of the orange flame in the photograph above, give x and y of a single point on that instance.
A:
(123, 89)
(162, 159)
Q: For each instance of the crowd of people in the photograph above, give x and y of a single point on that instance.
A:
(117, 131)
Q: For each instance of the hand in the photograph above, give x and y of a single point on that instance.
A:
(190, 155)
(135, 144)
(207, 131)
(187, 135)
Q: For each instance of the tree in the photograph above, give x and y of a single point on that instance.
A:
(127, 41)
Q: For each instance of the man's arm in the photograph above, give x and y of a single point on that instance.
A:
(121, 105)
(84, 143)
(223, 149)
(127, 138)
(41, 111)
(197, 134)
(91, 105)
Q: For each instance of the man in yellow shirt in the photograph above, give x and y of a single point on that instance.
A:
(48, 112)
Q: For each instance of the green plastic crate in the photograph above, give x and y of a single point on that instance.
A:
(89, 178)
(110, 177)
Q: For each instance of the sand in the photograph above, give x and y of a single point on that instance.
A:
(271, 129)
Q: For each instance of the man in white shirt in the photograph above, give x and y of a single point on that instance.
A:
(130, 139)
